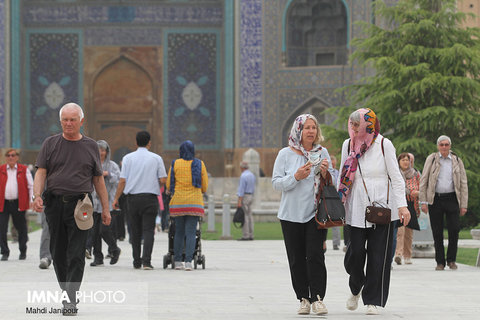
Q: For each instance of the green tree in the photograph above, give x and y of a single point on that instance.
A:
(426, 83)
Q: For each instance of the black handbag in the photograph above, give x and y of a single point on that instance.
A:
(413, 223)
(330, 211)
(239, 218)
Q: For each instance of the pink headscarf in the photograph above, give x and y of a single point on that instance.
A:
(368, 131)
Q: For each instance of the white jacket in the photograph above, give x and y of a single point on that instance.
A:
(374, 169)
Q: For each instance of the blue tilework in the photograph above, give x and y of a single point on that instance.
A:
(121, 36)
(286, 89)
(159, 14)
(121, 14)
(191, 89)
(53, 79)
(251, 73)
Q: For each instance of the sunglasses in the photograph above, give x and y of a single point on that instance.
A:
(11, 155)
(444, 144)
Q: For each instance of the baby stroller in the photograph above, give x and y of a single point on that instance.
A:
(198, 257)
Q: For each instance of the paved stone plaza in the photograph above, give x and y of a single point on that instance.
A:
(242, 280)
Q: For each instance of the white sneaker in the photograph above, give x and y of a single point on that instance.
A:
(188, 266)
(318, 307)
(408, 261)
(352, 302)
(179, 265)
(372, 310)
(304, 307)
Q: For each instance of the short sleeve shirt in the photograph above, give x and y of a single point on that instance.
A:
(141, 170)
(70, 165)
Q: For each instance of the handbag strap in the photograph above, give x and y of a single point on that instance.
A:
(365, 186)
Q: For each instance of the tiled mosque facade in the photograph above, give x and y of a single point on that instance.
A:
(218, 72)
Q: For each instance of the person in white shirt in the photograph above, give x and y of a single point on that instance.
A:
(376, 161)
(296, 174)
(443, 187)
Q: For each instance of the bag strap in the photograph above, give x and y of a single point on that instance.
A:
(388, 178)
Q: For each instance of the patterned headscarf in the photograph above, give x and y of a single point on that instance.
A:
(368, 131)
(295, 138)
(295, 141)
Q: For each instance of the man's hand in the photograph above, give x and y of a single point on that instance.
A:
(115, 204)
(38, 204)
(463, 211)
(106, 218)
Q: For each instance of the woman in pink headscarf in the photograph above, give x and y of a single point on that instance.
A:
(368, 163)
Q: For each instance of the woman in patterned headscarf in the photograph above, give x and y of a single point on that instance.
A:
(296, 172)
(375, 159)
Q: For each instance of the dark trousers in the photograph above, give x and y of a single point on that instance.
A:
(118, 225)
(142, 211)
(101, 231)
(67, 244)
(375, 246)
(445, 207)
(304, 245)
(19, 221)
(346, 234)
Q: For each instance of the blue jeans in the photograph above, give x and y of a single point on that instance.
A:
(185, 233)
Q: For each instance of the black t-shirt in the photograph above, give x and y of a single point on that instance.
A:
(70, 165)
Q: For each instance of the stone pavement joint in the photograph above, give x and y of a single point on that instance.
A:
(242, 280)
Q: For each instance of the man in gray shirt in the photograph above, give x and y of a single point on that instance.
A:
(443, 186)
(69, 164)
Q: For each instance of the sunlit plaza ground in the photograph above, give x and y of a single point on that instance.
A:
(242, 280)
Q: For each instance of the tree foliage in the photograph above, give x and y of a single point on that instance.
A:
(426, 82)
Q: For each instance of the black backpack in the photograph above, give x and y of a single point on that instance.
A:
(239, 218)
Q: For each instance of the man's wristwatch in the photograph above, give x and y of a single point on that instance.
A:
(35, 197)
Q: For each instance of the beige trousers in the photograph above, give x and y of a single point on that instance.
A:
(404, 242)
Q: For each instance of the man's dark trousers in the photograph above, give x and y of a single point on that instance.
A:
(67, 243)
(445, 206)
(19, 221)
(142, 211)
(101, 231)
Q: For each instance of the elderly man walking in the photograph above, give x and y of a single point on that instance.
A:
(69, 164)
(443, 186)
(142, 175)
(16, 190)
(246, 188)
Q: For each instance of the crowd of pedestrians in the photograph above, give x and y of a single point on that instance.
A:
(73, 170)
(370, 174)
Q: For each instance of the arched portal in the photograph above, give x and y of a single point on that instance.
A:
(123, 102)
(314, 106)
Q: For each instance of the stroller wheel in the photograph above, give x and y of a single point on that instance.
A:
(203, 261)
(195, 262)
(165, 262)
